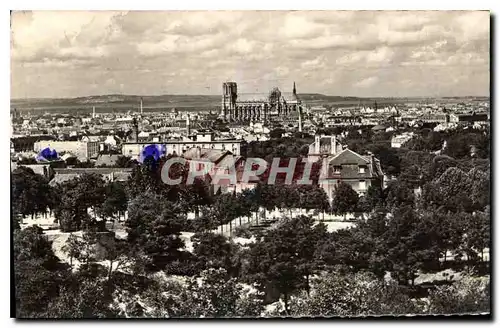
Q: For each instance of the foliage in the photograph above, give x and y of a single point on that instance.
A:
(283, 257)
(243, 232)
(359, 248)
(406, 241)
(389, 159)
(124, 161)
(373, 198)
(214, 251)
(37, 272)
(315, 272)
(279, 147)
(154, 227)
(456, 190)
(80, 201)
(345, 199)
(469, 295)
(398, 194)
(212, 295)
(83, 298)
(115, 201)
(31, 193)
(224, 209)
(73, 248)
(339, 294)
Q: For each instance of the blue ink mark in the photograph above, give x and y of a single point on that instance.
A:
(47, 154)
(152, 153)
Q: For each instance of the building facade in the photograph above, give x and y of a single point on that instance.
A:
(109, 174)
(256, 106)
(134, 149)
(322, 147)
(360, 172)
(399, 140)
(469, 117)
(83, 150)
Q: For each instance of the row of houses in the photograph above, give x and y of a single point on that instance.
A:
(339, 164)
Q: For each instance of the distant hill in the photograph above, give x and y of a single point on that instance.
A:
(191, 102)
(321, 97)
(118, 102)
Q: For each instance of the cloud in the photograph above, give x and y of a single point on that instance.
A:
(333, 52)
(366, 83)
(178, 44)
(379, 56)
(299, 26)
(317, 63)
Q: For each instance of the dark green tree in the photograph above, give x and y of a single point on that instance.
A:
(31, 193)
(154, 227)
(83, 298)
(115, 201)
(373, 198)
(398, 194)
(345, 199)
(408, 244)
(467, 296)
(38, 273)
(81, 198)
(224, 209)
(282, 259)
(346, 294)
(214, 251)
(124, 161)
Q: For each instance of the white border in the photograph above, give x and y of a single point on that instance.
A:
(200, 5)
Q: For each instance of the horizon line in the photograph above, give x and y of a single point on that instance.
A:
(212, 95)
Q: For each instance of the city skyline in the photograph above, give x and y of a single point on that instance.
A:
(340, 53)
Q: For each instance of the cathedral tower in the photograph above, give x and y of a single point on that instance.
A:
(229, 96)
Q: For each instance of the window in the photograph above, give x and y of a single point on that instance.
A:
(336, 169)
(361, 169)
(362, 185)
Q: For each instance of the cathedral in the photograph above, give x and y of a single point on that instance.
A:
(256, 106)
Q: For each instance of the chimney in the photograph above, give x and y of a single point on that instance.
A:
(323, 174)
(135, 133)
(333, 145)
(372, 161)
(316, 144)
(93, 111)
(141, 105)
(188, 125)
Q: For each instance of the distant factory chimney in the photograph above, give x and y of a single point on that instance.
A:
(333, 145)
(141, 105)
(294, 89)
(135, 130)
(93, 111)
(317, 143)
(188, 125)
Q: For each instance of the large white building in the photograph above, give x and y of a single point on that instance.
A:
(399, 140)
(83, 150)
(179, 147)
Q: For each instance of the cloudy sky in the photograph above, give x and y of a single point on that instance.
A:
(364, 53)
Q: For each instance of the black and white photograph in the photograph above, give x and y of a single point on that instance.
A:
(256, 164)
